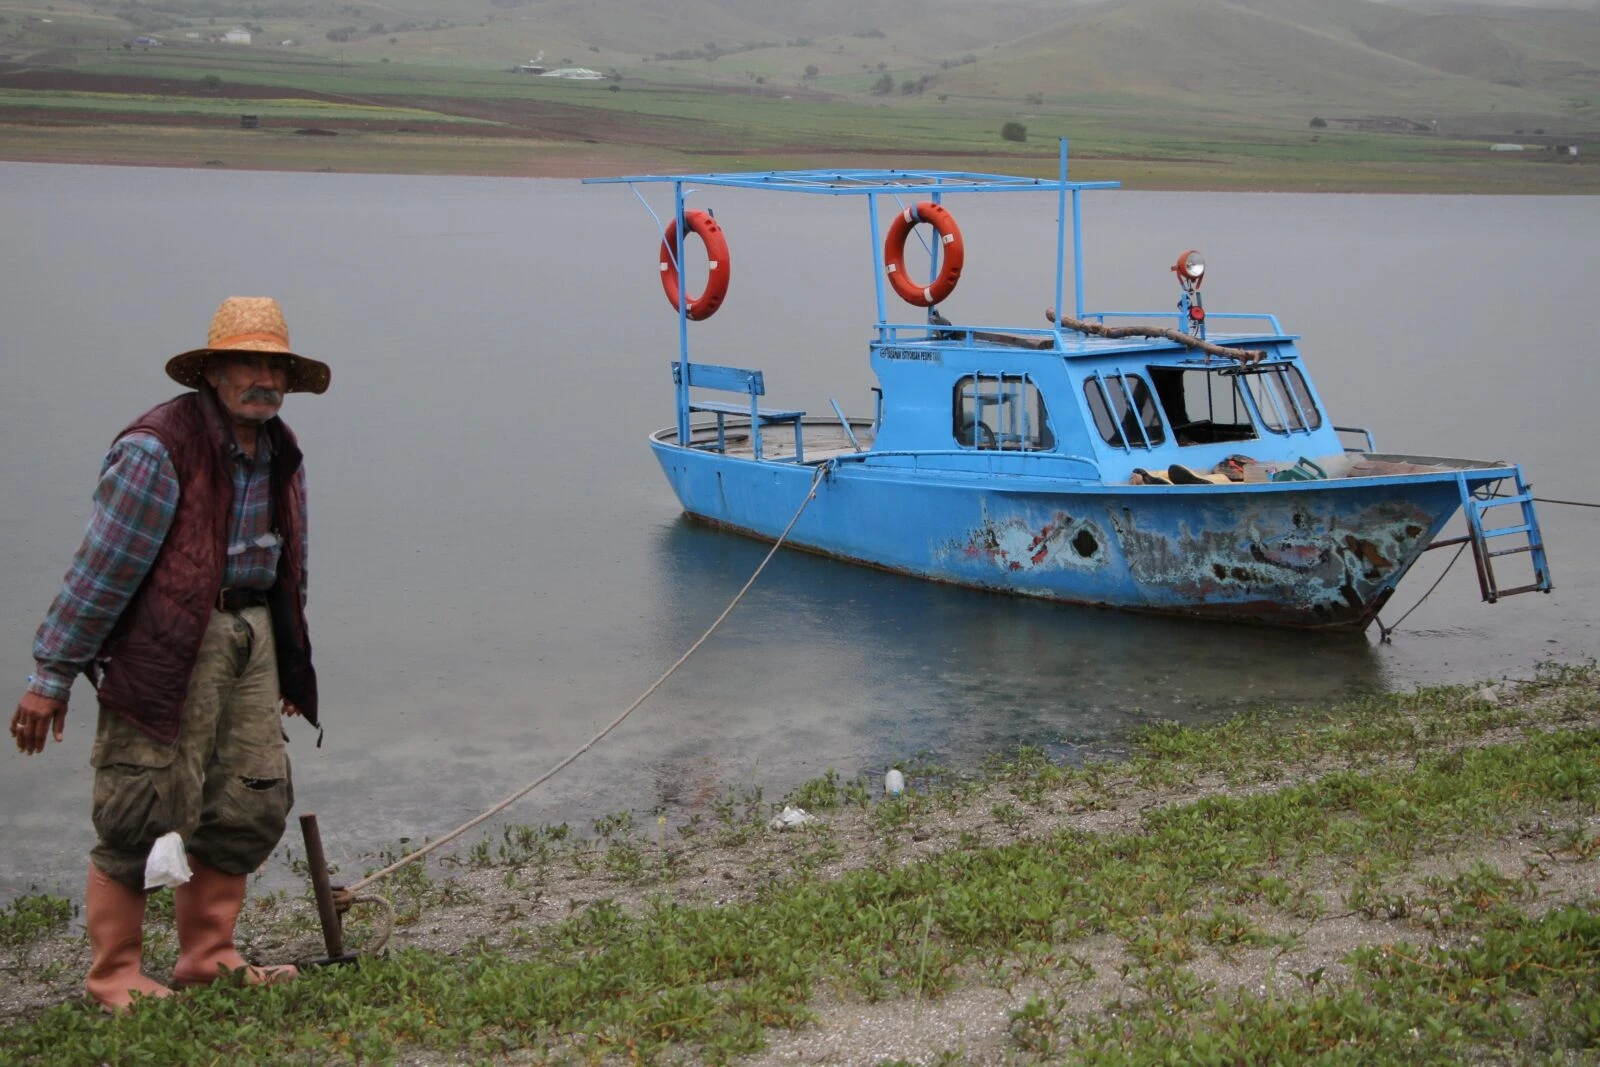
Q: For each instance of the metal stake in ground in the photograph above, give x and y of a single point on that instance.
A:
(327, 911)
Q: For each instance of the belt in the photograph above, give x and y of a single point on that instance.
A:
(239, 599)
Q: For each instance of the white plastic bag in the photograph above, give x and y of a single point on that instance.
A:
(168, 864)
(790, 818)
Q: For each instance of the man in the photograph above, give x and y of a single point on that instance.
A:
(185, 607)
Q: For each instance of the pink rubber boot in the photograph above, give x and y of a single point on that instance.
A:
(207, 909)
(115, 917)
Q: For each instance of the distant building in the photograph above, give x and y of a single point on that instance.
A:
(577, 74)
(1505, 148)
(236, 36)
(148, 42)
(530, 68)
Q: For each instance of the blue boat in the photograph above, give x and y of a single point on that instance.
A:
(1143, 461)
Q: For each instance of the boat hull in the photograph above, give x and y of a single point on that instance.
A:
(1322, 555)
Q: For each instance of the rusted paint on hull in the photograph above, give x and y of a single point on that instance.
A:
(1283, 560)
(1325, 558)
(1262, 613)
(1014, 546)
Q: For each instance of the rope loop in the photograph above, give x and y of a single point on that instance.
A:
(385, 923)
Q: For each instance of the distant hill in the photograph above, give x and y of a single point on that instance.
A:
(650, 26)
(1457, 44)
(1555, 52)
(1278, 61)
(1303, 56)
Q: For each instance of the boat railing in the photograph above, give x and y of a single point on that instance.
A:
(1364, 432)
(1047, 339)
(1270, 320)
(1088, 469)
(890, 333)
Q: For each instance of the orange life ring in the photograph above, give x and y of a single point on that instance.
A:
(719, 269)
(894, 254)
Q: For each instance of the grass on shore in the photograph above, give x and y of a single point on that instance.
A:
(1453, 836)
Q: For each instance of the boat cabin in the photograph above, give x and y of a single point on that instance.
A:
(1125, 406)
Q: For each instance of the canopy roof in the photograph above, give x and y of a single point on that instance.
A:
(843, 182)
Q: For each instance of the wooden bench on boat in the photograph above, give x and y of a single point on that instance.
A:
(738, 380)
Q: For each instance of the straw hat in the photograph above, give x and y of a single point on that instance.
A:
(250, 324)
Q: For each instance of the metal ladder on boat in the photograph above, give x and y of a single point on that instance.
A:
(1479, 535)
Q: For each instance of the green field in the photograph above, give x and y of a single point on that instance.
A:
(13, 100)
(1315, 108)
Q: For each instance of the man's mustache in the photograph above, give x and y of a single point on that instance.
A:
(257, 394)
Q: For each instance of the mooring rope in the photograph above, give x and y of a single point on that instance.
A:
(1385, 631)
(345, 895)
(822, 469)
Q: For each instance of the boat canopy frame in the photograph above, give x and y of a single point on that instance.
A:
(898, 183)
(902, 184)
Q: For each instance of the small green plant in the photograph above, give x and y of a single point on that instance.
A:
(893, 813)
(31, 918)
(819, 794)
(740, 815)
(625, 861)
(619, 825)
(159, 904)
(1037, 1026)
(1009, 815)
(1014, 131)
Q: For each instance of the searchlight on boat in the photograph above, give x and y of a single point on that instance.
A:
(1189, 268)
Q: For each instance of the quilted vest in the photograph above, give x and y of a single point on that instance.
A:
(143, 667)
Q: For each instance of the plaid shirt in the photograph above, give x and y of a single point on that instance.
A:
(134, 505)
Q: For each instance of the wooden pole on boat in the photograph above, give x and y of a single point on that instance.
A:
(1242, 355)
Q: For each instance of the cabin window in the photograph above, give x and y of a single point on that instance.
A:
(1282, 398)
(1203, 404)
(1001, 411)
(1124, 411)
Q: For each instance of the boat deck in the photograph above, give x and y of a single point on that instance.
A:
(823, 439)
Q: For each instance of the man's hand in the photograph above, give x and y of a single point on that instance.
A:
(289, 709)
(37, 716)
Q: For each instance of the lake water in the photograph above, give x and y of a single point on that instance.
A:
(498, 567)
